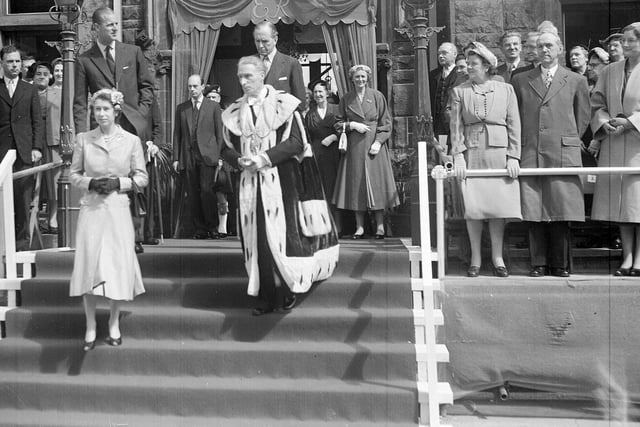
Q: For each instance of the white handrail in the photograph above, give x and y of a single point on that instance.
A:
(440, 173)
(475, 173)
(7, 229)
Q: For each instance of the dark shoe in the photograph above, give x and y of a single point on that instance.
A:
(473, 271)
(151, 241)
(635, 272)
(214, 235)
(222, 235)
(139, 248)
(53, 230)
(259, 311)
(88, 346)
(538, 271)
(379, 237)
(114, 342)
(357, 236)
(200, 236)
(289, 303)
(559, 272)
(622, 272)
(500, 271)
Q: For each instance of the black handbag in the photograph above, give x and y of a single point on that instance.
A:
(137, 201)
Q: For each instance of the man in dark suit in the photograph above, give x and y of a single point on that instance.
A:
(441, 80)
(283, 72)
(555, 112)
(197, 140)
(111, 64)
(511, 46)
(21, 129)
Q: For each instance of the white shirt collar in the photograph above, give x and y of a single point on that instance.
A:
(197, 101)
(257, 100)
(103, 46)
(514, 64)
(272, 55)
(551, 70)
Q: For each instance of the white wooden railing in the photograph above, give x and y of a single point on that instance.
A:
(428, 314)
(18, 266)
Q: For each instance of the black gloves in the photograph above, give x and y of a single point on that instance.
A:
(104, 185)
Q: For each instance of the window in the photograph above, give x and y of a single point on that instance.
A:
(31, 6)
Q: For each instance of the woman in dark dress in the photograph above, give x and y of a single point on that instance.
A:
(319, 122)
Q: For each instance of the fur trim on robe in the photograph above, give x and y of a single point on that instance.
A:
(300, 259)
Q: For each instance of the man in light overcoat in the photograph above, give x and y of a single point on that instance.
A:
(555, 112)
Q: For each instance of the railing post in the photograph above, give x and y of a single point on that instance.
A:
(439, 173)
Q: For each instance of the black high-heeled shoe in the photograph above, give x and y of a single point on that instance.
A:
(114, 342)
(89, 345)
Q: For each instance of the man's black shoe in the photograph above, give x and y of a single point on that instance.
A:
(200, 236)
(559, 272)
(289, 303)
(151, 241)
(538, 271)
(139, 248)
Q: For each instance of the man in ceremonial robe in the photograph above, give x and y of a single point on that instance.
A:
(288, 237)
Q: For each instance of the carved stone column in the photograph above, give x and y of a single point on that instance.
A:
(416, 27)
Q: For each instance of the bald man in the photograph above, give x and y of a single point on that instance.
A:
(441, 80)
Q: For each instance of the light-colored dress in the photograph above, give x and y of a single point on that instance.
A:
(617, 198)
(105, 262)
(365, 181)
(485, 127)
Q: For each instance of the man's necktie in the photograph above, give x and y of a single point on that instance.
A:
(267, 63)
(548, 79)
(194, 113)
(11, 87)
(111, 63)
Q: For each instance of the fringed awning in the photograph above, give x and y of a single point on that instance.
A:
(187, 15)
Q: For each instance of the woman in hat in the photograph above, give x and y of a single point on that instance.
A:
(615, 122)
(485, 134)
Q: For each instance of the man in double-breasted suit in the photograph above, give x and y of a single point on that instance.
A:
(22, 129)
(554, 110)
(197, 141)
(283, 72)
(111, 64)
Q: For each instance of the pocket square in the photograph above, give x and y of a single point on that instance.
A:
(125, 67)
(283, 78)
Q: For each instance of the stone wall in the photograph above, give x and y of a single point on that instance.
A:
(486, 20)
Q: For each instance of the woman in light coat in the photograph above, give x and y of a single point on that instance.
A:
(106, 161)
(615, 106)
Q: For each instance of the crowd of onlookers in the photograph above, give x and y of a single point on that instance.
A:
(532, 112)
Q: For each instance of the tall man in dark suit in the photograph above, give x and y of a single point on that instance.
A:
(283, 72)
(111, 64)
(554, 110)
(511, 46)
(197, 140)
(21, 129)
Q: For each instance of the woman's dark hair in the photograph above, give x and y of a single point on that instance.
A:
(492, 70)
(33, 69)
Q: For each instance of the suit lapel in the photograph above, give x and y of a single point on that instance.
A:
(354, 105)
(4, 92)
(19, 92)
(536, 83)
(188, 111)
(274, 69)
(120, 60)
(98, 59)
(368, 103)
(558, 82)
(95, 137)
